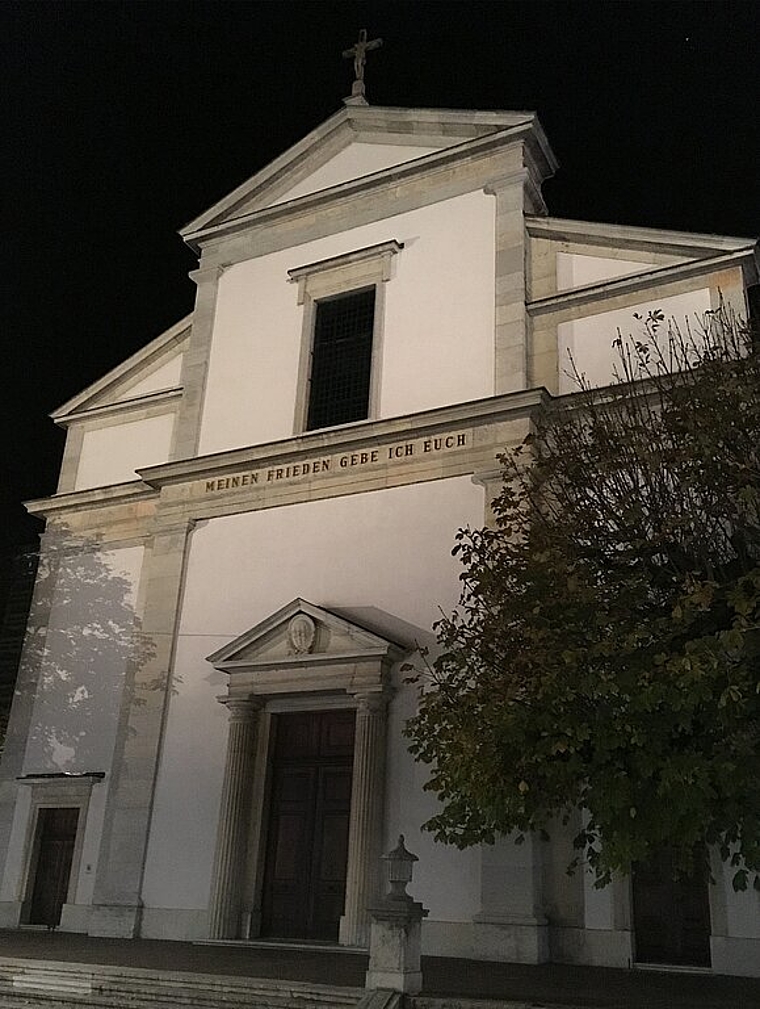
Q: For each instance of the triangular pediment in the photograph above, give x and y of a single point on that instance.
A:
(357, 142)
(302, 633)
(148, 374)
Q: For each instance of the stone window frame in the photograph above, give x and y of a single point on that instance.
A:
(351, 272)
(53, 792)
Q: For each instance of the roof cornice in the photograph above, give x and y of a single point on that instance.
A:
(564, 229)
(157, 402)
(174, 335)
(116, 494)
(745, 259)
(506, 407)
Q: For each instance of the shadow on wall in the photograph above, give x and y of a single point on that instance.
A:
(83, 649)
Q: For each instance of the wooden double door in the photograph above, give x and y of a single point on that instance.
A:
(671, 916)
(311, 762)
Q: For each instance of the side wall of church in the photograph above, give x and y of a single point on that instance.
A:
(74, 668)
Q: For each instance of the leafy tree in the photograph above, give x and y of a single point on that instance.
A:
(605, 652)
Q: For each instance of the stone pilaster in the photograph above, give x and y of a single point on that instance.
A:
(117, 899)
(234, 814)
(511, 321)
(366, 824)
(195, 363)
(492, 482)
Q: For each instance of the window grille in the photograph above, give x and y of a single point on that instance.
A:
(341, 359)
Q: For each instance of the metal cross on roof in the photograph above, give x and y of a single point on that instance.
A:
(358, 52)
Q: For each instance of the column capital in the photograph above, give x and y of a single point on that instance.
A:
(242, 709)
(206, 274)
(507, 181)
(372, 701)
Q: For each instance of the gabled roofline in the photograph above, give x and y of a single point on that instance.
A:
(122, 371)
(364, 121)
(266, 174)
(311, 202)
(564, 229)
(150, 402)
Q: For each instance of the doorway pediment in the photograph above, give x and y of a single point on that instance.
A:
(303, 648)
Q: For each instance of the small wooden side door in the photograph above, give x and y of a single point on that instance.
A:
(56, 836)
(671, 916)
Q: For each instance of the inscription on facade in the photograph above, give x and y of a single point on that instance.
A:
(335, 463)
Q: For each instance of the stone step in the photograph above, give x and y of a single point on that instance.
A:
(40, 984)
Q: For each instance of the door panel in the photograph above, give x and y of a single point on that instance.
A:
(671, 917)
(330, 851)
(307, 849)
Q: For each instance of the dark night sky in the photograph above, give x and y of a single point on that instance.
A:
(123, 121)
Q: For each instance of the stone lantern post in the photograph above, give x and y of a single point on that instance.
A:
(395, 933)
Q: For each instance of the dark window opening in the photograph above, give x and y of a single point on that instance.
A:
(341, 360)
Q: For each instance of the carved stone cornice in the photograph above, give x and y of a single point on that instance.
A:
(417, 425)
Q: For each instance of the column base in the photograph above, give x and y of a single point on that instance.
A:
(10, 913)
(75, 918)
(409, 982)
(356, 938)
(115, 921)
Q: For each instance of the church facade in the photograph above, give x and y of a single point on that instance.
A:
(252, 533)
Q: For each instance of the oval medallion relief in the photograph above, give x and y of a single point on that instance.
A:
(302, 631)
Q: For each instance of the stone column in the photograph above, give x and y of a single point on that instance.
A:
(234, 813)
(366, 824)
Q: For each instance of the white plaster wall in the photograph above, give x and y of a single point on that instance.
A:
(354, 162)
(599, 904)
(389, 550)
(446, 880)
(84, 657)
(165, 377)
(590, 340)
(437, 345)
(574, 270)
(742, 908)
(112, 454)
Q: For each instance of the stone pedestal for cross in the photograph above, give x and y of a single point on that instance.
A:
(396, 930)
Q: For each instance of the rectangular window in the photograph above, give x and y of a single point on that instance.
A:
(341, 360)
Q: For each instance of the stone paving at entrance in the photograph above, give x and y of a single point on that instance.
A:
(448, 983)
